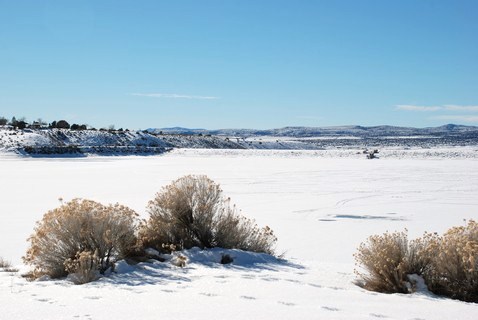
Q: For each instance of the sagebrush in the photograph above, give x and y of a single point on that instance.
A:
(387, 260)
(192, 211)
(454, 269)
(448, 264)
(84, 267)
(67, 233)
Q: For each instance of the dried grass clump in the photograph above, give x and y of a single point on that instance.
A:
(454, 269)
(4, 263)
(192, 211)
(388, 259)
(6, 266)
(63, 238)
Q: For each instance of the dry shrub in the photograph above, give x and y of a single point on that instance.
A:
(84, 268)
(77, 227)
(448, 263)
(6, 266)
(192, 211)
(454, 269)
(179, 260)
(4, 263)
(234, 231)
(388, 259)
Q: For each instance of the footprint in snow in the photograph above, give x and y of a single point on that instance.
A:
(376, 315)
(168, 290)
(336, 288)
(292, 280)
(248, 298)
(208, 294)
(289, 304)
(270, 279)
(86, 316)
(138, 291)
(330, 308)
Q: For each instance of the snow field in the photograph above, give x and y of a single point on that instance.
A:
(320, 209)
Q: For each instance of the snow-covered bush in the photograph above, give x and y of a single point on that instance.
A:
(62, 237)
(454, 268)
(388, 259)
(192, 211)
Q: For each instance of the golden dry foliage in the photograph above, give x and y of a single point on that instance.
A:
(448, 263)
(383, 258)
(192, 211)
(454, 270)
(81, 226)
(388, 259)
(183, 212)
(235, 231)
(84, 267)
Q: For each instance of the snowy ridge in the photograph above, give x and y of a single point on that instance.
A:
(337, 131)
(64, 141)
(49, 142)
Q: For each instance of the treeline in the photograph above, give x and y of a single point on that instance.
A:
(22, 123)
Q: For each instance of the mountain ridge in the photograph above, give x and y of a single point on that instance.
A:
(352, 130)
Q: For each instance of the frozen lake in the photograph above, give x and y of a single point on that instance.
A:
(320, 209)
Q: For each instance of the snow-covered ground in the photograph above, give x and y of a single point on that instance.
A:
(320, 207)
(462, 141)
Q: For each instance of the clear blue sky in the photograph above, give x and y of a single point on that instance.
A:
(243, 63)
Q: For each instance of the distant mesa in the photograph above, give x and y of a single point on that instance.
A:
(61, 138)
(301, 132)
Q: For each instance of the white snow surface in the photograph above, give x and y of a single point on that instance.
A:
(320, 207)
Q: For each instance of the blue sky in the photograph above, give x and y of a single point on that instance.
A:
(240, 64)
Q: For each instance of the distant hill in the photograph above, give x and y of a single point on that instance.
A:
(353, 131)
(50, 142)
